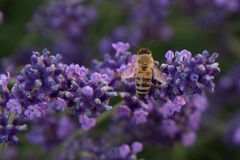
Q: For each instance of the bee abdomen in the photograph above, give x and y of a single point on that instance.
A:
(143, 85)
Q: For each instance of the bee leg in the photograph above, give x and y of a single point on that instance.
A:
(156, 63)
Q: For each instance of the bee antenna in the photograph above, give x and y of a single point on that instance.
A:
(150, 43)
(136, 45)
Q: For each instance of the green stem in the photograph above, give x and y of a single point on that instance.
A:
(10, 121)
(11, 118)
(78, 134)
(178, 152)
(2, 146)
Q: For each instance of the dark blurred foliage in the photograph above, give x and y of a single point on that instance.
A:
(189, 32)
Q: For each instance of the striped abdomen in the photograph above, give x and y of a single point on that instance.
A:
(143, 81)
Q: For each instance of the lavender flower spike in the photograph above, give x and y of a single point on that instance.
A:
(14, 106)
(67, 18)
(9, 132)
(48, 84)
(4, 79)
(187, 74)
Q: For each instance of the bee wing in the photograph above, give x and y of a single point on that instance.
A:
(129, 72)
(158, 75)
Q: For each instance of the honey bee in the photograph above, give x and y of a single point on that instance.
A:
(144, 70)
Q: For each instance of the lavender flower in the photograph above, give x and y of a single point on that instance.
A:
(92, 149)
(50, 131)
(185, 75)
(212, 13)
(115, 62)
(112, 65)
(188, 75)
(140, 116)
(4, 80)
(14, 106)
(137, 147)
(232, 132)
(229, 83)
(9, 130)
(160, 129)
(38, 84)
(228, 93)
(65, 24)
(47, 84)
(68, 18)
(89, 104)
(10, 123)
(33, 111)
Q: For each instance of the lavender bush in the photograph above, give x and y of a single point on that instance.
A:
(69, 101)
(47, 86)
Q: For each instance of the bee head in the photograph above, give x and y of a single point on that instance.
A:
(144, 51)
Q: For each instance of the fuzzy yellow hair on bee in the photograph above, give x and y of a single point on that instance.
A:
(144, 70)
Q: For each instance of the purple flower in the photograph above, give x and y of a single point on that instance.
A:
(14, 106)
(97, 148)
(228, 83)
(9, 131)
(86, 122)
(188, 138)
(124, 111)
(4, 80)
(76, 69)
(113, 62)
(65, 127)
(65, 26)
(124, 150)
(70, 19)
(178, 126)
(137, 147)
(33, 111)
(169, 108)
(50, 131)
(48, 84)
(96, 78)
(169, 127)
(140, 116)
(183, 55)
(185, 75)
(169, 56)
(218, 12)
(200, 102)
(171, 112)
(232, 131)
(60, 104)
(38, 84)
(88, 91)
(121, 47)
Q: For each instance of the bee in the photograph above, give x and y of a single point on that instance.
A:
(144, 70)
